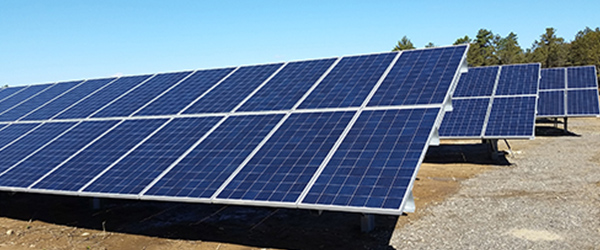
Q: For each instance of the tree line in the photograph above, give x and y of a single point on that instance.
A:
(550, 50)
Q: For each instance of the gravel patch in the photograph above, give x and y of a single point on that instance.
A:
(549, 198)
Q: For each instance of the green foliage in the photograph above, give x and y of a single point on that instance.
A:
(585, 49)
(430, 45)
(550, 50)
(508, 50)
(403, 44)
(463, 40)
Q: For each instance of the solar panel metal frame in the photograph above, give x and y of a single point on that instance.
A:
(490, 105)
(407, 203)
(565, 92)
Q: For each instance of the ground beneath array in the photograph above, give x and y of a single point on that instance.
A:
(451, 212)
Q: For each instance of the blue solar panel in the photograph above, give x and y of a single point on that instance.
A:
(34, 167)
(135, 99)
(582, 102)
(478, 81)
(280, 170)
(146, 162)
(420, 77)
(207, 167)
(553, 78)
(21, 96)
(63, 102)
(349, 83)
(7, 92)
(582, 77)
(11, 132)
(551, 103)
(234, 89)
(519, 79)
(99, 99)
(512, 116)
(288, 86)
(466, 119)
(30, 143)
(376, 161)
(90, 162)
(26, 107)
(185, 93)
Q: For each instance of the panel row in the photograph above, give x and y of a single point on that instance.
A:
(415, 77)
(583, 102)
(250, 158)
(505, 80)
(569, 78)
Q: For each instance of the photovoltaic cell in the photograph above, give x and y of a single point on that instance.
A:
(207, 167)
(376, 161)
(7, 92)
(551, 103)
(478, 81)
(512, 116)
(582, 102)
(552, 78)
(135, 99)
(185, 93)
(518, 79)
(420, 77)
(582, 77)
(99, 99)
(27, 172)
(288, 86)
(349, 83)
(21, 96)
(233, 90)
(466, 119)
(146, 162)
(30, 143)
(280, 170)
(11, 132)
(80, 169)
(24, 108)
(68, 99)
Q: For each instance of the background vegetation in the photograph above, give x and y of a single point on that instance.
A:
(488, 48)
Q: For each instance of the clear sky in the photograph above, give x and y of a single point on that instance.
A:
(55, 40)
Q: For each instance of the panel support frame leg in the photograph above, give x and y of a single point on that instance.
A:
(566, 131)
(493, 148)
(367, 223)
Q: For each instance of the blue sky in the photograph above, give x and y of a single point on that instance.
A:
(53, 40)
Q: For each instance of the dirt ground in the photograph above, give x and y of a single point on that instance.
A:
(32, 221)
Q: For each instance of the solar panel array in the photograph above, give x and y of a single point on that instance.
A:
(569, 92)
(345, 133)
(497, 102)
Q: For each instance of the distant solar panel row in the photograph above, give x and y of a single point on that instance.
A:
(343, 133)
(567, 92)
(494, 102)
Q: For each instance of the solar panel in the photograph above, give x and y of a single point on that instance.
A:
(551, 103)
(511, 117)
(478, 82)
(139, 96)
(99, 99)
(32, 168)
(466, 119)
(233, 90)
(482, 108)
(52, 108)
(376, 162)
(345, 133)
(349, 83)
(22, 96)
(201, 172)
(8, 92)
(176, 99)
(49, 94)
(568, 92)
(142, 165)
(582, 102)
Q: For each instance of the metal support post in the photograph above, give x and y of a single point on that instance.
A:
(566, 130)
(493, 148)
(367, 223)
